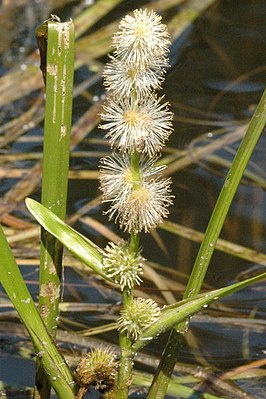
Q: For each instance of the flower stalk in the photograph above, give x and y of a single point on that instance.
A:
(137, 125)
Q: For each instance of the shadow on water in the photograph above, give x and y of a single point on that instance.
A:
(217, 76)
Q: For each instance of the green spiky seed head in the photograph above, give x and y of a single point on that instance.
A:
(122, 266)
(98, 368)
(138, 315)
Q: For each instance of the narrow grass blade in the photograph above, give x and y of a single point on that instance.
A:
(182, 311)
(254, 131)
(225, 199)
(54, 364)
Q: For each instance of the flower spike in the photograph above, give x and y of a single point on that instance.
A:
(137, 123)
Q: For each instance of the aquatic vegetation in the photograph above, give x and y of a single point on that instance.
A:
(137, 122)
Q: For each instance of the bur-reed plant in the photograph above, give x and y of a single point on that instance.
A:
(137, 123)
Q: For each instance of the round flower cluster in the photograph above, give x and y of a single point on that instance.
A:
(137, 316)
(139, 36)
(141, 125)
(122, 266)
(140, 56)
(137, 124)
(98, 368)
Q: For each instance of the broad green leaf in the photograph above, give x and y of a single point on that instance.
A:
(12, 281)
(76, 243)
(182, 311)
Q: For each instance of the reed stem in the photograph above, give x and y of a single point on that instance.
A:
(57, 126)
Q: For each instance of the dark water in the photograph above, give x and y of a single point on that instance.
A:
(218, 74)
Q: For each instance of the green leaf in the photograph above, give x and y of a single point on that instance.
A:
(12, 281)
(182, 311)
(59, 71)
(77, 244)
(232, 181)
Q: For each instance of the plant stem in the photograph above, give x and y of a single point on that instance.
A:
(135, 157)
(172, 349)
(126, 353)
(58, 112)
(126, 356)
(57, 126)
(134, 243)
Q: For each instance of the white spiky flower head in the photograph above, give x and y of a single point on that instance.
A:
(142, 39)
(117, 178)
(123, 79)
(139, 314)
(133, 125)
(144, 208)
(137, 123)
(139, 61)
(122, 266)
